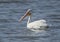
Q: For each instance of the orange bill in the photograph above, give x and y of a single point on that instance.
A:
(26, 14)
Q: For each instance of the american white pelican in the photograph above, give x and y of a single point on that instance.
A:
(36, 25)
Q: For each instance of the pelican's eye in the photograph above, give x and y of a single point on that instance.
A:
(29, 13)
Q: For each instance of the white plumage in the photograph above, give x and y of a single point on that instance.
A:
(35, 25)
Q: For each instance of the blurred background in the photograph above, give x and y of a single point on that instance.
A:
(13, 31)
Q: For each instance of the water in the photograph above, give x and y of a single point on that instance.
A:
(13, 31)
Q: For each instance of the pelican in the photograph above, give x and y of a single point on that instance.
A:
(35, 25)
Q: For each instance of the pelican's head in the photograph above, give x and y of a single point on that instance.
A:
(26, 14)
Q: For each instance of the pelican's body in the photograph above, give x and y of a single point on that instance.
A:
(35, 25)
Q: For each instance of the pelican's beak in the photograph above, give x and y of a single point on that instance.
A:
(26, 14)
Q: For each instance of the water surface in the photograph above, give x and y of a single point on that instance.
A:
(13, 31)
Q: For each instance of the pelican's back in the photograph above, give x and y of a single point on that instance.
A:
(37, 24)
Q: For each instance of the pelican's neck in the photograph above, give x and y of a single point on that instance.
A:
(28, 20)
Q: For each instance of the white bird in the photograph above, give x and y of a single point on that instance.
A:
(36, 25)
